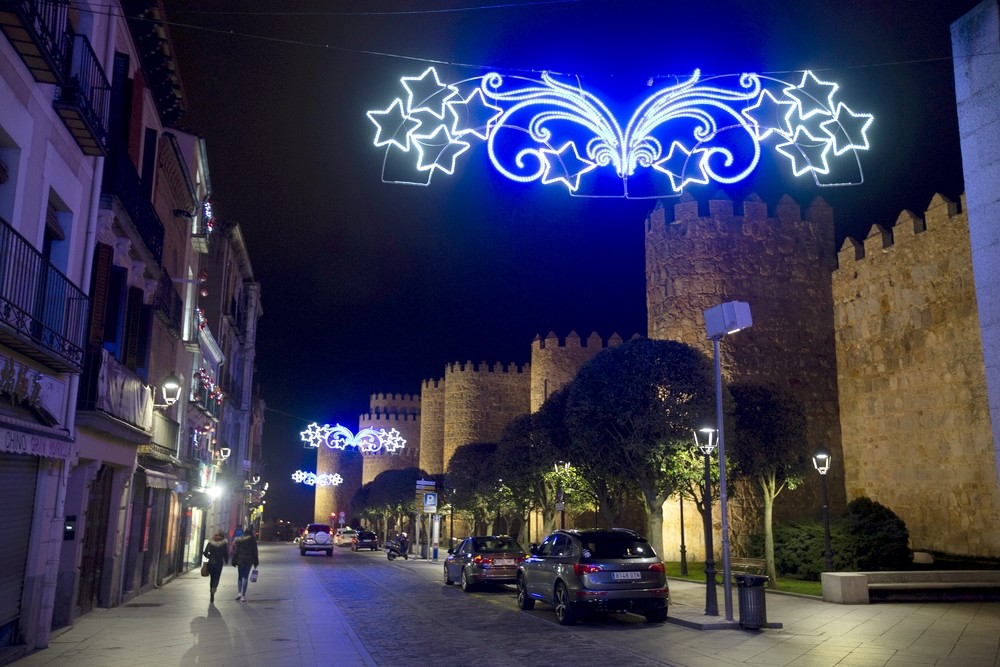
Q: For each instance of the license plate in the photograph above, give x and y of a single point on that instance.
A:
(503, 561)
(619, 576)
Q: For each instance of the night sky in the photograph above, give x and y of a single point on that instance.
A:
(373, 287)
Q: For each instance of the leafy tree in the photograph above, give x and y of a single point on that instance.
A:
(392, 495)
(472, 473)
(631, 410)
(879, 539)
(769, 448)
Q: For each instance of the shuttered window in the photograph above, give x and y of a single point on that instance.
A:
(18, 476)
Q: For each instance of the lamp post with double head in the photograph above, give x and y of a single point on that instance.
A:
(722, 320)
(561, 467)
(707, 446)
(821, 461)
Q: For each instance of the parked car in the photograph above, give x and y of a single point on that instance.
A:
(365, 539)
(579, 571)
(316, 538)
(483, 559)
(344, 536)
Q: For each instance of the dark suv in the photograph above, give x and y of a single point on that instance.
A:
(364, 539)
(578, 571)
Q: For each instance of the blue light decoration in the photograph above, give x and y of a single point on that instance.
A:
(697, 131)
(367, 440)
(312, 479)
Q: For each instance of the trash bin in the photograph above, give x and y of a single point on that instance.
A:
(753, 608)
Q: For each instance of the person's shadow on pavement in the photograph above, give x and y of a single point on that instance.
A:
(209, 632)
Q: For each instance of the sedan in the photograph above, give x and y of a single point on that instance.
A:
(484, 559)
(580, 571)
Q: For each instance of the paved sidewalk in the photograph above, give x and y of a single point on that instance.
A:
(290, 620)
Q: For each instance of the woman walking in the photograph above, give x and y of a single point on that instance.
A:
(244, 558)
(217, 553)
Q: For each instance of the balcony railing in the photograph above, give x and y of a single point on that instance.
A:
(204, 401)
(108, 386)
(122, 181)
(42, 314)
(35, 30)
(82, 101)
(168, 305)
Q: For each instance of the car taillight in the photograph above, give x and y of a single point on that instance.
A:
(657, 567)
(479, 560)
(580, 569)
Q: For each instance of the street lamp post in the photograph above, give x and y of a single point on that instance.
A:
(684, 557)
(821, 461)
(711, 598)
(560, 468)
(722, 320)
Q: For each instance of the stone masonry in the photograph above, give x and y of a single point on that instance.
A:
(914, 413)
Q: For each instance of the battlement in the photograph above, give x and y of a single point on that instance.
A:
(378, 416)
(687, 212)
(483, 367)
(432, 384)
(940, 213)
(573, 341)
(395, 398)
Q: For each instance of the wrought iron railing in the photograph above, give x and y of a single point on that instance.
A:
(36, 31)
(108, 386)
(42, 313)
(168, 305)
(122, 181)
(85, 97)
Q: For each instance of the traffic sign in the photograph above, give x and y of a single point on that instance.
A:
(430, 502)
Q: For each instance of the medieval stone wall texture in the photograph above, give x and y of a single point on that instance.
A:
(408, 426)
(914, 412)
(432, 427)
(781, 266)
(554, 364)
(480, 401)
(331, 500)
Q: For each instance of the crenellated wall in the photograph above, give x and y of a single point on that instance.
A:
(432, 427)
(554, 364)
(480, 401)
(914, 413)
(408, 426)
(331, 500)
(781, 266)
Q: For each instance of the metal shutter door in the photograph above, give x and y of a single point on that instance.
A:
(18, 475)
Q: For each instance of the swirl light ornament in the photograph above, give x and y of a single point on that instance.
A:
(367, 440)
(312, 479)
(697, 131)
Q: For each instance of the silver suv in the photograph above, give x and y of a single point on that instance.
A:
(578, 571)
(317, 538)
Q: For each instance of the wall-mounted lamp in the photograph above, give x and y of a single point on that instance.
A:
(224, 453)
(171, 390)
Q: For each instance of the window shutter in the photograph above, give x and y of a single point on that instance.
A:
(103, 255)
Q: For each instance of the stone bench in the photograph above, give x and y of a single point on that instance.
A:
(910, 586)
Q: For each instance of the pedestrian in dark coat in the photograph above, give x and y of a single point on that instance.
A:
(217, 553)
(244, 558)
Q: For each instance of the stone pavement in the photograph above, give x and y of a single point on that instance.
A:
(290, 620)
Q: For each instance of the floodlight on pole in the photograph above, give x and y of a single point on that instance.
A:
(722, 320)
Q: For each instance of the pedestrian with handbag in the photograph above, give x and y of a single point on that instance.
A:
(217, 553)
(244, 558)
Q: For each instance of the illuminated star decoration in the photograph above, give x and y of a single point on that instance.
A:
(696, 132)
(312, 479)
(367, 440)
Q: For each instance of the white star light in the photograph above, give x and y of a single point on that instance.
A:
(845, 125)
(677, 164)
(298, 476)
(813, 96)
(315, 435)
(478, 115)
(391, 440)
(440, 146)
(764, 113)
(807, 153)
(565, 165)
(423, 89)
(393, 122)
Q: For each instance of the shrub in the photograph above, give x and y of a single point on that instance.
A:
(877, 537)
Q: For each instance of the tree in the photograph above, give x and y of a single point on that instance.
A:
(391, 495)
(632, 408)
(472, 473)
(768, 448)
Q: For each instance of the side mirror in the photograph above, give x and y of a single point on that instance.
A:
(533, 549)
(451, 552)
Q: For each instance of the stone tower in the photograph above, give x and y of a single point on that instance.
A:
(392, 411)
(781, 266)
(555, 364)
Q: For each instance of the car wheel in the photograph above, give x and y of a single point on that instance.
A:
(657, 615)
(447, 579)
(524, 602)
(302, 552)
(467, 584)
(565, 610)
(354, 547)
(330, 553)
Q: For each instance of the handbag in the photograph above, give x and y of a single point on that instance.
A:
(253, 576)
(204, 569)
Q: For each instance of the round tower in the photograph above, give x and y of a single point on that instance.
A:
(554, 364)
(432, 426)
(399, 412)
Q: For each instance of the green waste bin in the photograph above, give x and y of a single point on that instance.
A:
(753, 607)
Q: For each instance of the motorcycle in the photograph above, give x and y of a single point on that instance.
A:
(397, 547)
